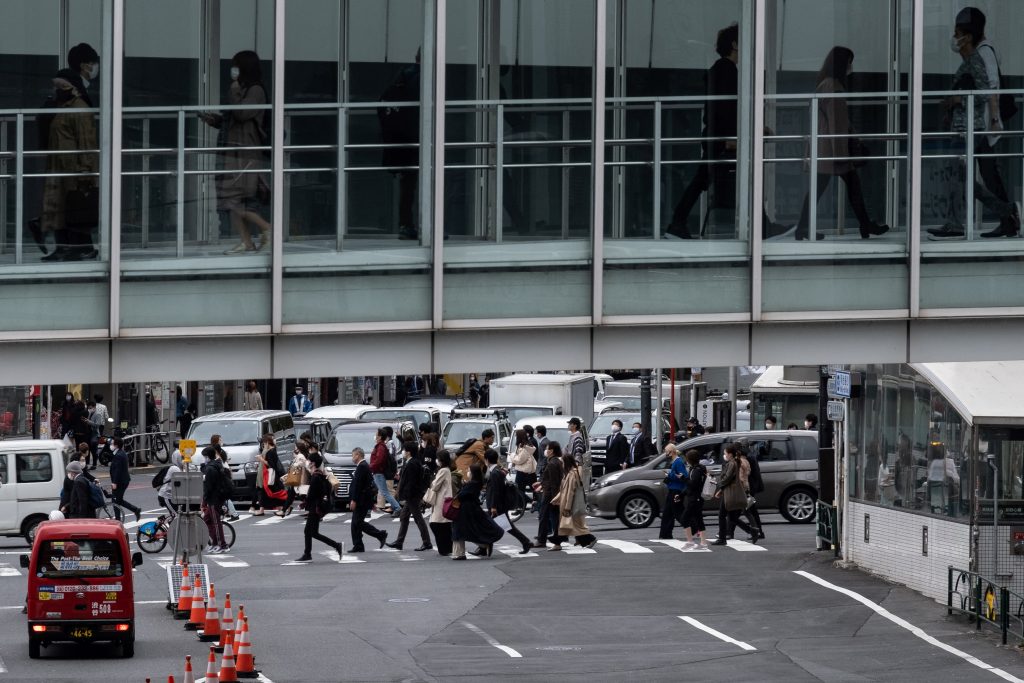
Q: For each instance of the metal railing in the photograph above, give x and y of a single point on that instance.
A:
(980, 598)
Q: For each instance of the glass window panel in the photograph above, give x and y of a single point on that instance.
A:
(54, 257)
(196, 200)
(672, 207)
(969, 258)
(836, 101)
(518, 159)
(358, 251)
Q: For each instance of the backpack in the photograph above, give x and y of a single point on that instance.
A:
(390, 466)
(96, 498)
(512, 497)
(161, 477)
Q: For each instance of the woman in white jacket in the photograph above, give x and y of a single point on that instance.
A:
(524, 461)
(440, 489)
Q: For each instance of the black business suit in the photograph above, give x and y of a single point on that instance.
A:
(496, 503)
(617, 453)
(362, 492)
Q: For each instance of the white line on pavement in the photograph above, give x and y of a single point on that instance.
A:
(8, 570)
(578, 550)
(626, 546)
(274, 519)
(678, 545)
(717, 634)
(261, 678)
(491, 641)
(903, 623)
(514, 551)
(744, 546)
(3, 667)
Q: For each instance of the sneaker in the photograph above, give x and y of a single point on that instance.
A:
(554, 548)
(213, 550)
(305, 558)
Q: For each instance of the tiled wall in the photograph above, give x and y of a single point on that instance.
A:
(894, 550)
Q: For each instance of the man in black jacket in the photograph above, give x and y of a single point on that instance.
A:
(361, 494)
(80, 500)
(120, 477)
(755, 481)
(410, 495)
(495, 493)
(617, 450)
(640, 448)
(216, 485)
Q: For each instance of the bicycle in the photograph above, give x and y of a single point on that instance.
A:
(151, 537)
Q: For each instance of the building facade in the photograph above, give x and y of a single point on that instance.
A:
(397, 186)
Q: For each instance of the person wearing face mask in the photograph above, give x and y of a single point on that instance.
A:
(319, 504)
(299, 404)
(241, 193)
(834, 152)
(617, 449)
(71, 202)
(676, 480)
(810, 421)
(770, 422)
(67, 413)
(640, 448)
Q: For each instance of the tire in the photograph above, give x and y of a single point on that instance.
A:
(637, 510)
(33, 649)
(150, 539)
(28, 527)
(797, 505)
(229, 534)
(104, 456)
(160, 452)
(128, 648)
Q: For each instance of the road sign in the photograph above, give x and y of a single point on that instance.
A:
(842, 384)
(836, 410)
(187, 447)
(830, 388)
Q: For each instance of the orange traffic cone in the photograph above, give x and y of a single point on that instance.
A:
(211, 628)
(197, 615)
(228, 674)
(239, 619)
(227, 625)
(245, 667)
(211, 668)
(184, 596)
(188, 678)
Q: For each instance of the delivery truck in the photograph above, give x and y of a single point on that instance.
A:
(526, 395)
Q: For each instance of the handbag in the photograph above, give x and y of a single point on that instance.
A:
(710, 486)
(293, 478)
(751, 501)
(579, 503)
(450, 510)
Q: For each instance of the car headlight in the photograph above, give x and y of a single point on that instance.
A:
(606, 481)
(250, 468)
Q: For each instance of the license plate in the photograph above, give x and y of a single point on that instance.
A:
(81, 632)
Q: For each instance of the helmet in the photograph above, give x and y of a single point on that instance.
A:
(56, 515)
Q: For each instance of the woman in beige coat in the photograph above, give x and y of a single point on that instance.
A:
(733, 496)
(440, 489)
(242, 193)
(834, 152)
(573, 517)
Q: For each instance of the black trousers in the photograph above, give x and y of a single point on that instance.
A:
(442, 537)
(669, 511)
(854, 193)
(728, 520)
(312, 531)
(118, 497)
(407, 182)
(516, 533)
(360, 526)
(412, 507)
(754, 518)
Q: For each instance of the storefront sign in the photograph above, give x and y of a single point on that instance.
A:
(843, 383)
(1009, 511)
(836, 410)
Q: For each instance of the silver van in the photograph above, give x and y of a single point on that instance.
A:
(789, 468)
(240, 433)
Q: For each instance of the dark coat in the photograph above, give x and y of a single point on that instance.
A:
(319, 487)
(640, 448)
(80, 504)
(695, 485)
(361, 490)
(551, 480)
(617, 453)
(410, 485)
(213, 483)
(496, 490)
(473, 524)
(754, 479)
(274, 463)
(119, 473)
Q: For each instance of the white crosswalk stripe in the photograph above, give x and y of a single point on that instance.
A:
(227, 561)
(514, 551)
(8, 570)
(744, 546)
(627, 547)
(273, 519)
(678, 545)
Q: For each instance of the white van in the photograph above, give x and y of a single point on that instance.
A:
(31, 477)
(337, 415)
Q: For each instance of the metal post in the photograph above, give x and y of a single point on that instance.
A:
(1004, 611)
(657, 171)
(969, 177)
(144, 218)
(659, 398)
(949, 590)
(645, 401)
(341, 213)
(732, 397)
(3, 183)
(499, 179)
(977, 604)
(19, 186)
(566, 158)
(995, 513)
(812, 195)
(180, 208)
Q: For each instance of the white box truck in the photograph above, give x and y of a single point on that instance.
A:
(527, 395)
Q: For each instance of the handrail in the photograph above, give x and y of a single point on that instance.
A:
(984, 601)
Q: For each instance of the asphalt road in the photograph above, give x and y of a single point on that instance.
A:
(612, 614)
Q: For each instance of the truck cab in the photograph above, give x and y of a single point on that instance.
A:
(80, 587)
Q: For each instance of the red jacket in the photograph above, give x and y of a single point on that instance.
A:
(378, 458)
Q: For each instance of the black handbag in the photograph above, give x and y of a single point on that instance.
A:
(82, 209)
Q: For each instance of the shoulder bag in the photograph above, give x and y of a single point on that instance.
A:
(710, 486)
(450, 509)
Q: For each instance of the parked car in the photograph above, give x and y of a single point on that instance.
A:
(319, 428)
(240, 432)
(337, 414)
(418, 415)
(469, 423)
(338, 451)
(31, 476)
(789, 468)
(601, 429)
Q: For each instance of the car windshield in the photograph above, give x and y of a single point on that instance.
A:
(456, 433)
(232, 432)
(559, 435)
(80, 557)
(517, 414)
(342, 441)
(603, 424)
(628, 402)
(417, 417)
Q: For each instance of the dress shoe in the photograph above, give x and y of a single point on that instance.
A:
(425, 546)
(719, 541)
(305, 558)
(459, 557)
(753, 538)
(526, 548)
(360, 549)
(383, 540)
(872, 229)
(479, 552)
(1008, 227)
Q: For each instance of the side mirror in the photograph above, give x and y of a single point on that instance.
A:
(600, 396)
(24, 561)
(136, 559)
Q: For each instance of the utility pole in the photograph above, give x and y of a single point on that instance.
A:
(645, 401)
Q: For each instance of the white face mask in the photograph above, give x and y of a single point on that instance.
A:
(235, 73)
(636, 430)
(615, 429)
(94, 71)
(954, 43)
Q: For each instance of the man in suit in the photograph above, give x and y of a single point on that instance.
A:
(641, 447)
(120, 477)
(495, 495)
(542, 446)
(361, 494)
(617, 451)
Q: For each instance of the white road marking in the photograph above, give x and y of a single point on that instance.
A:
(132, 525)
(345, 559)
(273, 554)
(627, 547)
(578, 550)
(744, 546)
(260, 678)
(273, 519)
(241, 518)
(491, 641)
(514, 551)
(674, 543)
(8, 570)
(331, 516)
(409, 559)
(229, 563)
(717, 634)
(903, 623)
(3, 667)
